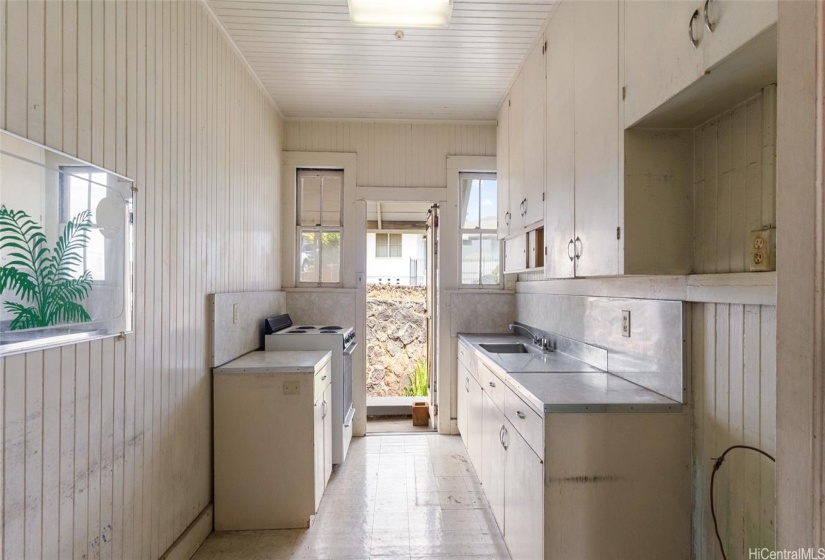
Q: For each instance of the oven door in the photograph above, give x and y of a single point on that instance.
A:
(349, 411)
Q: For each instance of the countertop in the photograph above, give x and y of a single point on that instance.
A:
(304, 361)
(557, 382)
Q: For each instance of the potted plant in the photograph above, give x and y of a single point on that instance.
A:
(418, 388)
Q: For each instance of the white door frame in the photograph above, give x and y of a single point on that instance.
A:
(395, 194)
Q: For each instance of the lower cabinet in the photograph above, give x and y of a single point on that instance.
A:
(322, 443)
(494, 459)
(475, 423)
(463, 401)
(523, 498)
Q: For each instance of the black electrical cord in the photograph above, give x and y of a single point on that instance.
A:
(716, 465)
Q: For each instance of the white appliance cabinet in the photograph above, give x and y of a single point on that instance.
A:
(272, 439)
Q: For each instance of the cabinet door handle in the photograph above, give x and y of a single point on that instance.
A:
(706, 12)
(467, 384)
(501, 436)
(579, 248)
(504, 443)
(569, 247)
(507, 218)
(323, 409)
(520, 414)
(491, 384)
(693, 40)
(525, 207)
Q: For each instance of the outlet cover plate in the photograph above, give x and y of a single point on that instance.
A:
(762, 253)
(626, 324)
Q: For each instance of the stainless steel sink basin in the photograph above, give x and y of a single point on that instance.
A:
(505, 348)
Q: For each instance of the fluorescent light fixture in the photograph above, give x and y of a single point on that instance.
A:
(401, 13)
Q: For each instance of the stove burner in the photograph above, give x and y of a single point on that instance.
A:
(297, 331)
(304, 328)
(332, 328)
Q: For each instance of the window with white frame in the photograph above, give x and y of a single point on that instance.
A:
(480, 249)
(83, 187)
(320, 225)
(388, 245)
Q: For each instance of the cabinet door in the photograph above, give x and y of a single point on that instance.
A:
(558, 206)
(734, 24)
(515, 253)
(533, 130)
(659, 60)
(597, 137)
(516, 151)
(318, 449)
(494, 457)
(327, 412)
(523, 498)
(463, 393)
(475, 422)
(503, 170)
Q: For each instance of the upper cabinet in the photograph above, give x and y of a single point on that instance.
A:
(582, 192)
(521, 135)
(671, 44)
(533, 133)
(503, 169)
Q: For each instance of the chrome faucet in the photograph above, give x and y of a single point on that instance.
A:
(537, 340)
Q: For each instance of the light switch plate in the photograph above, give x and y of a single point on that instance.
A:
(626, 324)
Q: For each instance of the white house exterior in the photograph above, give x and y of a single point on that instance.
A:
(408, 269)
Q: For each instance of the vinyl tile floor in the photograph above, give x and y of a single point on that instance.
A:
(396, 496)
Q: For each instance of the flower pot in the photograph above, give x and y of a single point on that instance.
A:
(421, 414)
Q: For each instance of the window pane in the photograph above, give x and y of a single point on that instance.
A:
(490, 255)
(395, 245)
(331, 202)
(308, 259)
(310, 200)
(331, 256)
(489, 202)
(470, 256)
(469, 203)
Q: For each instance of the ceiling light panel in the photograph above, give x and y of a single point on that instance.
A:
(401, 13)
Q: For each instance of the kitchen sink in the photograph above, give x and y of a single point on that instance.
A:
(505, 348)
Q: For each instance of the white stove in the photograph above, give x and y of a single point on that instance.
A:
(281, 334)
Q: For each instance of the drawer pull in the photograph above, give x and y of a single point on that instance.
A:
(520, 414)
(493, 385)
(323, 377)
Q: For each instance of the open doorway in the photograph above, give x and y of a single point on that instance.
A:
(399, 365)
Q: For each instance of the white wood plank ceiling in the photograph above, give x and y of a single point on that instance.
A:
(315, 64)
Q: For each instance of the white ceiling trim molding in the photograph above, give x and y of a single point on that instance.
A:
(214, 17)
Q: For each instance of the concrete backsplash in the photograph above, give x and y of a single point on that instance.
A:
(230, 339)
(653, 356)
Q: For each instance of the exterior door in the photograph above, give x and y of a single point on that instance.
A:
(432, 310)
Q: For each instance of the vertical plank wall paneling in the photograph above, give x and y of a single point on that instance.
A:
(394, 154)
(734, 183)
(734, 387)
(106, 444)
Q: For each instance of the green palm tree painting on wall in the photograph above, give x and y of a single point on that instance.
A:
(44, 280)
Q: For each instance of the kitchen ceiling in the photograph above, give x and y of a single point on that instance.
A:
(316, 64)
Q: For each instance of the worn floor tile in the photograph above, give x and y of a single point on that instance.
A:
(397, 496)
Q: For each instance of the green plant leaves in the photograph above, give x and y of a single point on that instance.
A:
(41, 277)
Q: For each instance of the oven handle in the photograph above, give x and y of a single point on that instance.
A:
(350, 348)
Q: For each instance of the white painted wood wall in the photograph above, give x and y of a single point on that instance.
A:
(734, 183)
(107, 445)
(734, 401)
(394, 154)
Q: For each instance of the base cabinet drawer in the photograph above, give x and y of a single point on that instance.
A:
(525, 420)
(493, 386)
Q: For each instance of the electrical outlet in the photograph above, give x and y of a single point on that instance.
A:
(292, 387)
(626, 323)
(235, 307)
(763, 250)
(359, 280)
